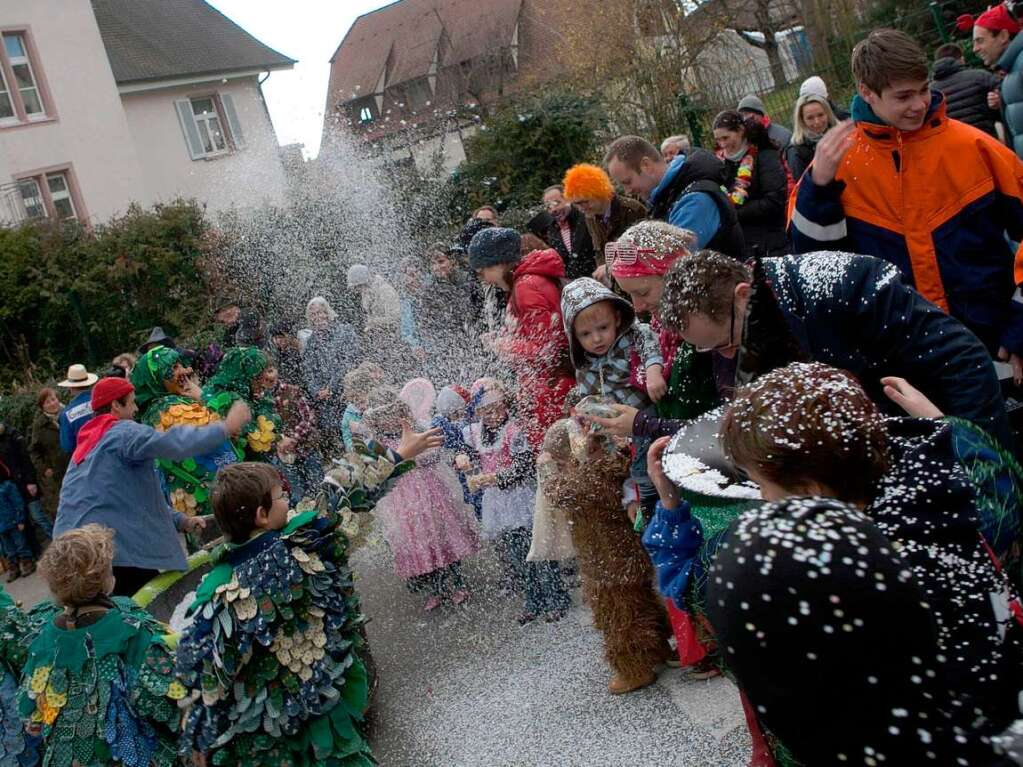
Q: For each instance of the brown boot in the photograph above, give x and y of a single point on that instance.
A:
(621, 684)
(27, 567)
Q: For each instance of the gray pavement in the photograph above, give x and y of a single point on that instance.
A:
(468, 686)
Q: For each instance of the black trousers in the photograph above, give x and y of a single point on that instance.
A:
(128, 580)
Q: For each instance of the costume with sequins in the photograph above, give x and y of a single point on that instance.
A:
(273, 651)
(104, 694)
(188, 482)
(232, 382)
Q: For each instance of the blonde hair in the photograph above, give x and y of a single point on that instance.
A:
(78, 565)
(798, 126)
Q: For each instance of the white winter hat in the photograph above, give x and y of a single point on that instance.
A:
(448, 401)
(814, 85)
(358, 274)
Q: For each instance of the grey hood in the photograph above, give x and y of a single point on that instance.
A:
(580, 294)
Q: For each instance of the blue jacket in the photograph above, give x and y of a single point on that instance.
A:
(12, 506)
(117, 485)
(690, 195)
(72, 418)
(673, 539)
(936, 203)
(1011, 63)
(854, 313)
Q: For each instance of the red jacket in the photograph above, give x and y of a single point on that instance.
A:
(535, 344)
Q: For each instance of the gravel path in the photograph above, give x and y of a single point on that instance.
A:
(468, 686)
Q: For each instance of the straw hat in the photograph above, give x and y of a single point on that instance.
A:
(78, 378)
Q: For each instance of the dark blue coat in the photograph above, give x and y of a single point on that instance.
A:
(854, 312)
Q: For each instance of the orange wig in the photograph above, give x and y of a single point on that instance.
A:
(587, 182)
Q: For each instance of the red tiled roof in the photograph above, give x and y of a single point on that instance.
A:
(409, 33)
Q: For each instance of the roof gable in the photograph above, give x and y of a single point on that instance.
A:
(161, 39)
(414, 30)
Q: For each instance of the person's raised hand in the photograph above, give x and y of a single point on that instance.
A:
(1015, 361)
(237, 417)
(462, 462)
(831, 150)
(621, 424)
(994, 100)
(33, 489)
(600, 275)
(415, 443)
(667, 492)
(909, 398)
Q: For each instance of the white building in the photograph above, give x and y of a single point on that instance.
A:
(110, 102)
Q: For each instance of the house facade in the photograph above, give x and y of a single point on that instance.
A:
(410, 77)
(113, 102)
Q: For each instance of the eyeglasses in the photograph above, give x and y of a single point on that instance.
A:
(731, 333)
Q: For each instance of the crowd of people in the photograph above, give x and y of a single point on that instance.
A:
(828, 304)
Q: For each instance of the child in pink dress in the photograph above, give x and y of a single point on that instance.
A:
(428, 526)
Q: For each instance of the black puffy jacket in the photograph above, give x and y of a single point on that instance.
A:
(966, 92)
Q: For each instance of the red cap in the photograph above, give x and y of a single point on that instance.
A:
(463, 393)
(109, 389)
(994, 19)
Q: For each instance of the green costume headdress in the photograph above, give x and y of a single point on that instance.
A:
(149, 376)
(232, 382)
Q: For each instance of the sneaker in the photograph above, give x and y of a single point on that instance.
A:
(527, 617)
(459, 596)
(432, 603)
(705, 669)
(27, 567)
(13, 575)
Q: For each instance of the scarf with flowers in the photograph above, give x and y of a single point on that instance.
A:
(739, 192)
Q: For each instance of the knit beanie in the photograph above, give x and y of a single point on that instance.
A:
(490, 247)
(751, 103)
(815, 85)
(109, 389)
(358, 274)
(449, 401)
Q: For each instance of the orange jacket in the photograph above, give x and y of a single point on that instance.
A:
(937, 203)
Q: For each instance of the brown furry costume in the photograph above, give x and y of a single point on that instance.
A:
(616, 570)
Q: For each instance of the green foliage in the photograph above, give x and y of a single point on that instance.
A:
(17, 411)
(525, 147)
(69, 294)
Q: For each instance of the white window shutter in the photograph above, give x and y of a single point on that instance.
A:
(232, 120)
(192, 140)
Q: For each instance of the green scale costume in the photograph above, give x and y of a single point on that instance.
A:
(187, 483)
(274, 649)
(232, 382)
(104, 694)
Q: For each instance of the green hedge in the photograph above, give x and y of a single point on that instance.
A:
(70, 294)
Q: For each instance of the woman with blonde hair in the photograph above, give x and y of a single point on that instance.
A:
(813, 117)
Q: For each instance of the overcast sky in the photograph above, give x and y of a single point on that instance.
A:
(306, 30)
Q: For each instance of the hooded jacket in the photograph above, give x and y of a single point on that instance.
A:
(683, 197)
(536, 344)
(935, 202)
(1011, 63)
(636, 347)
(966, 92)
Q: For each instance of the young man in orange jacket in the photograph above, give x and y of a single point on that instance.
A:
(937, 198)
